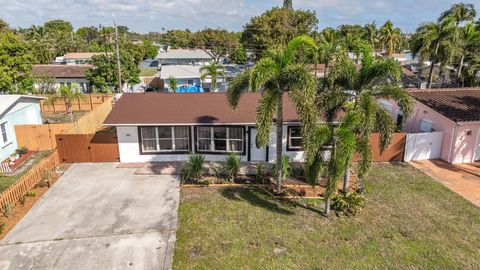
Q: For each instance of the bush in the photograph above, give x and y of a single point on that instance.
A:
(22, 200)
(192, 170)
(261, 177)
(2, 227)
(22, 151)
(298, 171)
(232, 166)
(31, 194)
(348, 204)
(7, 209)
(286, 169)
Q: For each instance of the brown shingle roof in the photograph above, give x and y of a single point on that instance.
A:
(188, 108)
(457, 104)
(61, 71)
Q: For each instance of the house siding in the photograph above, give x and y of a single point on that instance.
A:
(23, 113)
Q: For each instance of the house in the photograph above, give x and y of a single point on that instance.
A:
(77, 58)
(16, 110)
(154, 127)
(453, 111)
(75, 75)
(183, 57)
(189, 79)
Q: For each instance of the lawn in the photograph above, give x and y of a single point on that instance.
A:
(148, 72)
(410, 222)
(6, 181)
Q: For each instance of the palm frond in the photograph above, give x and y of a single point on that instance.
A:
(313, 144)
(364, 152)
(237, 86)
(399, 95)
(384, 126)
(264, 70)
(294, 44)
(379, 69)
(265, 109)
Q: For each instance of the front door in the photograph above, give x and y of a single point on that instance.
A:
(256, 154)
(477, 149)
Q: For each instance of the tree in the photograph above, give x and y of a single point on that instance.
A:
(391, 37)
(104, 77)
(434, 41)
(213, 70)
(15, 64)
(172, 84)
(150, 51)
(377, 79)
(276, 74)
(238, 56)
(467, 43)
(371, 35)
(67, 94)
(460, 12)
(288, 4)
(58, 26)
(276, 27)
(218, 43)
(44, 84)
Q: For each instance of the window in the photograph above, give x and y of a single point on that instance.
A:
(4, 133)
(164, 139)
(425, 126)
(220, 139)
(190, 82)
(295, 141)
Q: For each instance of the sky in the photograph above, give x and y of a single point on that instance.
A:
(153, 15)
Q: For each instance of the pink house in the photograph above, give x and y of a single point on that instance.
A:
(455, 112)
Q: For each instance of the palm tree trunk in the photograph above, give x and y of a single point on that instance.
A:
(459, 71)
(279, 144)
(432, 65)
(346, 180)
(326, 211)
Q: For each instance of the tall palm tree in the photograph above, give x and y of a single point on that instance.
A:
(469, 39)
(371, 34)
(460, 12)
(328, 46)
(391, 37)
(214, 71)
(434, 41)
(353, 92)
(279, 73)
(67, 94)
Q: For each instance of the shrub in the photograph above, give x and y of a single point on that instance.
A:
(286, 169)
(298, 171)
(7, 209)
(22, 200)
(193, 168)
(261, 177)
(348, 204)
(232, 166)
(31, 194)
(22, 151)
(2, 227)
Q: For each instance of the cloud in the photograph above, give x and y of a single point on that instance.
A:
(152, 15)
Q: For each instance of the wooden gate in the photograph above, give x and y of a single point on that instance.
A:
(78, 148)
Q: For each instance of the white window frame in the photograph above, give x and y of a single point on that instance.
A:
(227, 140)
(157, 140)
(6, 125)
(290, 137)
(422, 127)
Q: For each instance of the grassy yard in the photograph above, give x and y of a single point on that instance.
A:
(6, 181)
(148, 72)
(410, 222)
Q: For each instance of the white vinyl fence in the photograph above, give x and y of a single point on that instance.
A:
(422, 146)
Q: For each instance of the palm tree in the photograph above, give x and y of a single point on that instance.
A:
(371, 34)
(172, 84)
(469, 39)
(391, 37)
(328, 46)
(277, 73)
(68, 94)
(354, 92)
(460, 12)
(213, 70)
(434, 41)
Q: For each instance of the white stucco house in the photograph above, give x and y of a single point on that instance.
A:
(155, 127)
(189, 77)
(75, 75)
(183, 57)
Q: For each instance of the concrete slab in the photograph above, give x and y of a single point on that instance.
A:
(97, 216)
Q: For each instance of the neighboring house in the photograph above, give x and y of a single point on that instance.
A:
(189, 79)
(453, 111)
(169, 127)
(16, 110)
(81, 58)
(64, 75)
(183, 57)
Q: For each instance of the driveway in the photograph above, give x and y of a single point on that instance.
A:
(97, 216)
(463, 179)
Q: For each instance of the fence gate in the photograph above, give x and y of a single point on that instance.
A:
(422, 146)
(78, 148)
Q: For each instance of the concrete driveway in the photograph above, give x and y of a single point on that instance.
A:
(463, 179)
(97, 216)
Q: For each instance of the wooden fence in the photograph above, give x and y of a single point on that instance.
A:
(154, 82)
(42, 137)
(394, 152)
(29, 180)
(99, 147)
(90, 102)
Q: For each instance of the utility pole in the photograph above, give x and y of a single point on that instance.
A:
(119, 69)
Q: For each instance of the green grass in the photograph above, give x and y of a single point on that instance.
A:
(6, 181)
(148, 72)
(410, 222)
